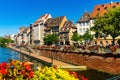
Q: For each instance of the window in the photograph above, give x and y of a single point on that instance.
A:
(106, 42)
(80, 30)
(117, 2)
(98, 9)
(87, 29)
(100, 42)
(80, 24)
(83, 24)
(113, 6)
(87, 24)
(95, 42)
(83, 29)
(105, 8)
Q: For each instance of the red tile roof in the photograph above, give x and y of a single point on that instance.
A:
(101, 9)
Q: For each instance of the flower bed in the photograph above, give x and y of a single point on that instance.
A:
(16, 70)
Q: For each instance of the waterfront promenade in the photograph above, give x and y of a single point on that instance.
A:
(48, 60)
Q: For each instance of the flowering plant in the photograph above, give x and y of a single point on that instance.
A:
(54, 73)
(15, 70)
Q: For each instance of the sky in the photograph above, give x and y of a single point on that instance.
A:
(17, 13)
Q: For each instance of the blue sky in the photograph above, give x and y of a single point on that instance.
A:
(17, 13)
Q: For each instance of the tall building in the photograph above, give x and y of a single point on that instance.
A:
(83, 24)
(54, 25)
(66, 33)
(38, 29)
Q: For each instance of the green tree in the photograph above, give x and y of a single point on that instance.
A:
(108, 24)
(5, 41)
(51, 39)
(87, 37)
(76, 37)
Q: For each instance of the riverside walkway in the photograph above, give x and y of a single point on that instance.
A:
(48, 60)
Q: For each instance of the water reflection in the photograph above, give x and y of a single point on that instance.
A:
(6, 54)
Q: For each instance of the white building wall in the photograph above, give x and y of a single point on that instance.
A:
(12, 37)
(82, 27)
(91, 25)
(19, 40)
(38, 30)
(38, 33)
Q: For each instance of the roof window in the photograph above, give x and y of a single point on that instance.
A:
(105, 8)
(98, 9)
(117, 2)
(113, 6)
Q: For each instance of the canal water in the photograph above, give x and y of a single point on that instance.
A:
(6, 54)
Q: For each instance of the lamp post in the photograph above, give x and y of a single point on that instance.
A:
(51, 55)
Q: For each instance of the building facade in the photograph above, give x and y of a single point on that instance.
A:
(83, 24)
(66, 33)
(38, 30)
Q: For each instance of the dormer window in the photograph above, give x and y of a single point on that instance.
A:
(113, 6)
(105, 8)
(98, 9)
(117, 2)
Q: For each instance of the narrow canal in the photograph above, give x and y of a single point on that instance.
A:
(6, 54)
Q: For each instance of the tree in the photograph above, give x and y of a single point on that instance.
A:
(87, 37)
(75, 37)
(5, 41)
(51, 39)
(108, 24)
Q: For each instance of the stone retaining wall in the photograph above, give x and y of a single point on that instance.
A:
(106, 64)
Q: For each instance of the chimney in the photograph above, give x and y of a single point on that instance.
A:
(111, 2)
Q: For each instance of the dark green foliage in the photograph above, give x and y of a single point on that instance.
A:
(87, 36)
(51, 39)
(118, 42)
(5, 41)
(76, 37)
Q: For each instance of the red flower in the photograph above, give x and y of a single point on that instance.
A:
(3, 71)
(55, 67)
(83, 78)
(75, 74)
(3, 64)
(30, 74)
(27, 67)
(23, 72)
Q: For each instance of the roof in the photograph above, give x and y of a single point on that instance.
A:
(43, 18)
(67, 26)
(21, 30)
(51, 22)
(101, 9)
(85, 17)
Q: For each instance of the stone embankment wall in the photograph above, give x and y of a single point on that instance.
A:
(108, 64)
